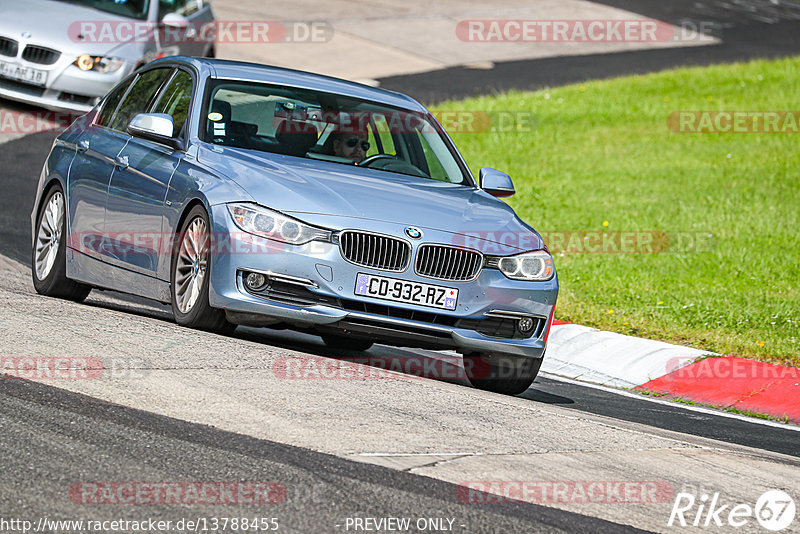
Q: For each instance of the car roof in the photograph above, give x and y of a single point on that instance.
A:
(241, 70)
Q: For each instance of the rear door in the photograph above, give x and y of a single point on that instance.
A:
(113, 139)
(90, 174)
(138, 188)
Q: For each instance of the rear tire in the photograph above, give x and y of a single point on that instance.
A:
(49, 255)
(189, 277)
(333, 341)
(509, 375)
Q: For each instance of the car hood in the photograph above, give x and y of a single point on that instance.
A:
(53, 24)
(316, 190)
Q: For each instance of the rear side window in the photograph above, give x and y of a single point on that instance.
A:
(176, 99)
(139, 97)
(111, 103)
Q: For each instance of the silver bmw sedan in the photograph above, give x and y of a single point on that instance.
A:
(250, 195)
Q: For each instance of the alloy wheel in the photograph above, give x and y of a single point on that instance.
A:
(49, 236)
(191, 265)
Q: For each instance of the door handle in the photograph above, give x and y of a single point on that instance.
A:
(83, 146)
(122, 162)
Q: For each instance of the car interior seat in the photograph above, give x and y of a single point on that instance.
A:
(226, 131)
(295, 138)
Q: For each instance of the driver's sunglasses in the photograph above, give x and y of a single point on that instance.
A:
(353, 141)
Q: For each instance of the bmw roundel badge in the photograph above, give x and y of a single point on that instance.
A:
(413, 232)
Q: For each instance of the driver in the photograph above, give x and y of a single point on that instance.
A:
(350, 145)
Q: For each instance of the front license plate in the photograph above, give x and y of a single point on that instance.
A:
(23, 74)
(380, 287)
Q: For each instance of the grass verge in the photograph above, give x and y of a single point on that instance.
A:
(599, 158)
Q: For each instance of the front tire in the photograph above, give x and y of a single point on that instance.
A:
(509, 375)
(190, 273)
(48, 259)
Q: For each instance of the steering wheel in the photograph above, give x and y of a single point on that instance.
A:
(387, 162)
(366, 162)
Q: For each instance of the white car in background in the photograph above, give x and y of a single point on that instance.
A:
(65, 54)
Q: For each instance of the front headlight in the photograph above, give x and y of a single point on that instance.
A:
(103, 65)
(532, 266)
(274, 225)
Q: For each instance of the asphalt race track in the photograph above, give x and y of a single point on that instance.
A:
(70, 429)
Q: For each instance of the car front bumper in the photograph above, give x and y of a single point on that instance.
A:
(67, 89)
(330, 302)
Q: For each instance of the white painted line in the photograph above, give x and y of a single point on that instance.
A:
(688, 407)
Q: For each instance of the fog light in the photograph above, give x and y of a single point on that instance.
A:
(525, 325)
(255, 281)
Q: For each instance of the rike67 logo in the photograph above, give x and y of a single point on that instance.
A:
(774, 510)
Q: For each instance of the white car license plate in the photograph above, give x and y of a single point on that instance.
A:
(23, 74)
(381, 287)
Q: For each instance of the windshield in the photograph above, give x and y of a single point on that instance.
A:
(135, 9)
(330, 127)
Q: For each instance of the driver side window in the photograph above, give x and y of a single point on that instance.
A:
(176, 99)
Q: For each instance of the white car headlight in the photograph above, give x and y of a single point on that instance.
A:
(99, 64)
(274, 225)
(532, 266)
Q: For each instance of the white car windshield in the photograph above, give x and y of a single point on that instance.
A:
(326, 126)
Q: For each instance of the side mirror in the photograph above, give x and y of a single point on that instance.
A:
(175, 20)
(496, 183)
(156, 127)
